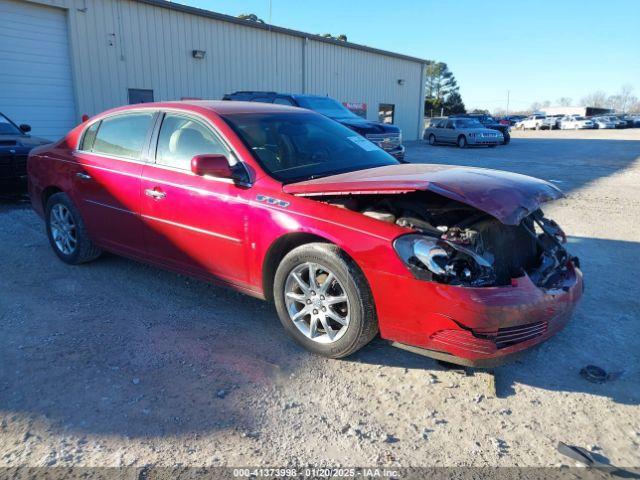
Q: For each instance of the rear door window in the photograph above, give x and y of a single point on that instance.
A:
(181, 138)
(123, 135)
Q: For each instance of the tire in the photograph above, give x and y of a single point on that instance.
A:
(507, 139)
(462, 141)
(82, 249)
(362, 320)
(492, 146)
(432, 139)
(538, 126)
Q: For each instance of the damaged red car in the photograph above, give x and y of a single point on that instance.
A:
(285, 204)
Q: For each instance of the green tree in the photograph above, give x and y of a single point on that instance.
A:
(441, 90)
(440, 82)
(453, 104)
(252, 17)
(342, 37)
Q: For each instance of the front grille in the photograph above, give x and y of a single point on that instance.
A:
(463, 340)
(12, 166)
(487, 343)
(20, 165)
(508, 336)
(386, 141)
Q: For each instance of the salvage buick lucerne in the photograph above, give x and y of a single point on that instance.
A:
(287, 205)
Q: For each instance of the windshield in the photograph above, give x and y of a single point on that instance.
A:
(326, 106)
(468, 123)
(7, 127)
(300, 146)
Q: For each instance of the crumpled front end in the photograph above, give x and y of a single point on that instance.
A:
(477, 290)
(479, 327)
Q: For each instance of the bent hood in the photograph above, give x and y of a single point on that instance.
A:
(507, 196)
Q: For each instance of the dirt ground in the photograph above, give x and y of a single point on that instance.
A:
(116, 363)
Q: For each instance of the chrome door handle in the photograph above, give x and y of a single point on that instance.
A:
(83, 176)
(157, 194)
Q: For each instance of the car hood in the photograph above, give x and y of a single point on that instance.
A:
(21, 141)
(507, 196)
(367, 125)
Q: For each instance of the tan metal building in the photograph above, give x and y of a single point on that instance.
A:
(65, 58)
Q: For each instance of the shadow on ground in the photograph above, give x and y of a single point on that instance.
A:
(603, 332)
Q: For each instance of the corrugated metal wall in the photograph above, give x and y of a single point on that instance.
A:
(122, 44)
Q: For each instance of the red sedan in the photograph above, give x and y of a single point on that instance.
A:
(287, 205)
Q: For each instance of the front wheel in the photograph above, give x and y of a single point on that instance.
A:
(432, 139)
(462, 141)
(323, 300)
(67, 232)
(507, 139)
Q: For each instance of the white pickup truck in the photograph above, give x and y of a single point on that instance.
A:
(537, 122)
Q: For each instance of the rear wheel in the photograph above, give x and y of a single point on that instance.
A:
(67, 232)
(507, 139)
(462, 141)
(323, 300)
(432, 139)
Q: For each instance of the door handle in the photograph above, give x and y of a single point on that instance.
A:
(153, 193)
(83, 176)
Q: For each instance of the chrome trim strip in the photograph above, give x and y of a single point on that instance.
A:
(110, 206)
(193, 229)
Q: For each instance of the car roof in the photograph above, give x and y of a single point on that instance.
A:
(278, 94)
(217, 106)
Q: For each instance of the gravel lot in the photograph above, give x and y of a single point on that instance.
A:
(117, 363)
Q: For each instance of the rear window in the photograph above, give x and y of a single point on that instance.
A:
(123, 135)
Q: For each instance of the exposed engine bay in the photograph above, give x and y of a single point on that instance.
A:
(456, 244)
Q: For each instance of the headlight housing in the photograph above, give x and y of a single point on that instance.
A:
(435, 259)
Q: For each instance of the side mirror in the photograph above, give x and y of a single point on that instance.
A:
(25, 128)
(213, 165)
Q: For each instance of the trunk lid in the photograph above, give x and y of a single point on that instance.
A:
(507, 196)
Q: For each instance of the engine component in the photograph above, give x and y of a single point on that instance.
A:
(384, 216)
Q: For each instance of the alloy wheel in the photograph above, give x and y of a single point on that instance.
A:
(63, 229)
(317, 302)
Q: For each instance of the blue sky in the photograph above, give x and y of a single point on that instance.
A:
(539, 50)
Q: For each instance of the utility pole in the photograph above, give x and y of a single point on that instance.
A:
(270, 5)
(508, 94)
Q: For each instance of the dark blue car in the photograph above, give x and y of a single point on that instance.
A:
(386, 136)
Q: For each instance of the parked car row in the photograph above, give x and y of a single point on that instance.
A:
(540, 121)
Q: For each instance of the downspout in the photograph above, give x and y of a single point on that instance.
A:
(305, 40)
(423, 74)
